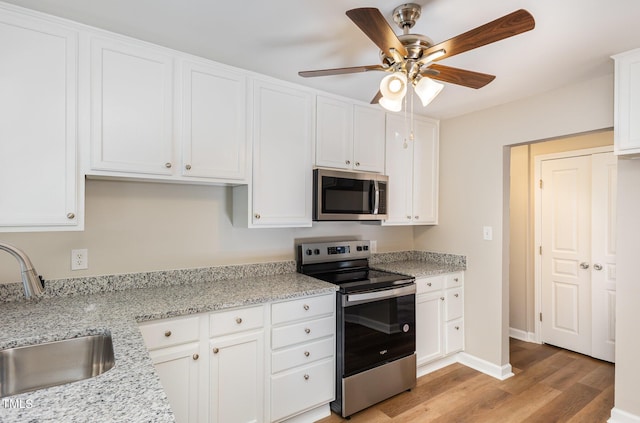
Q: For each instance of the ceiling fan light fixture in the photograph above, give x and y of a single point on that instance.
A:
(391, 105)
(394, 86)
(427, 89)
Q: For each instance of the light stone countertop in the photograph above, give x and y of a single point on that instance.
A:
(131, 390)
(419, 268)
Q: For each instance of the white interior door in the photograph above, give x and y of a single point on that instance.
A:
(577, 265)
(603, 255)
(566, 243)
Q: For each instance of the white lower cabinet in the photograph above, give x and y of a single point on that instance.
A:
(439, 317)
(216, 367)
(302, 355)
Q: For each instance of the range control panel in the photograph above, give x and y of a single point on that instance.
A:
(322, 252)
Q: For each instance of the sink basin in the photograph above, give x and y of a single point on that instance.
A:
(24, 369)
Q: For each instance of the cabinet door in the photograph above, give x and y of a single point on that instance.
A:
(429, 327)
(131, 108)
(179, 369)
(39, 181)
(213, 125)
(334, 133)
(627, 103)
(425, 172)
(454, 336)
(282, 134)
(399, 168)
(454, 303)
(237, 378)
(368, 139)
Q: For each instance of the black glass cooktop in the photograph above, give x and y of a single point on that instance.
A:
(364, 279)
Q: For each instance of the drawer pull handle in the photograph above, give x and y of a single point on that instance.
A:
(428, 283)
(238, 320)
(167, 333)
(306, 377)
(307, 353)
(307, 330)
(456, 295)
(306, 306)
(215, 351)
(196, 356)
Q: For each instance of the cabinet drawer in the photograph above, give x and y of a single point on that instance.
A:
(453, 304)
(165, 333)
(303, 308)
(429, 284)
(302, 332)
(302, 389)
(301, 354)
(454, 280)
(454, 336)
(236, 320)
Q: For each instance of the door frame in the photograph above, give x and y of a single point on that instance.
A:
(538, 225)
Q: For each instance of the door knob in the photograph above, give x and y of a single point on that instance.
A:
(584, 265)
(597, 266)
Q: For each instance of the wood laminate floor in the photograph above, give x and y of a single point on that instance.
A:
(550, 385)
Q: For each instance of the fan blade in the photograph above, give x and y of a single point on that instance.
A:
(341, 71)
(457, 76)
(507, 26)
(376, 27)
(377, 98)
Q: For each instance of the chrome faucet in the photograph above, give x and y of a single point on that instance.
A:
(32, 283)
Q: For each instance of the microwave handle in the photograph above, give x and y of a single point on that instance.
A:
(376, 197)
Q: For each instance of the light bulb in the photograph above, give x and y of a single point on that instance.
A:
(427, 89)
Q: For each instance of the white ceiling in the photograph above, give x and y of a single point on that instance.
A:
(573, 39)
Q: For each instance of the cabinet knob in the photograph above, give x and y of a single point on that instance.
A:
(456, 295)
(257, 216)
(455, 279)
(357, 163)
(238, 320)
(306, 306)
(188, 167)
(307, 330)
(597, 266)
(409, 217)
(307, 353)
(457, 327)
(428, 283)
(416, 217)
(347, 161)
(71, 215)
(584, 265)
(196, 356)
(167, 165)
(442, 298)
(306, 377)
(167, 333)
(215, 351)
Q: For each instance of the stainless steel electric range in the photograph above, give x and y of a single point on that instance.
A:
(375, 324)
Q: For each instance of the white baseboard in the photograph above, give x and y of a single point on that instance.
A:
(498, 372)
(619, 416)
(522, 335)
(425, 369)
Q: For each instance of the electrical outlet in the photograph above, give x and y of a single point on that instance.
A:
(373, 246)
(79, 259)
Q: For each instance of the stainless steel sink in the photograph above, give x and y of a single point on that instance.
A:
(24, 369)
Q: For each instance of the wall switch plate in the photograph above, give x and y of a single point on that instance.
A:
(487, 233)
(373, 246)
(79, 259)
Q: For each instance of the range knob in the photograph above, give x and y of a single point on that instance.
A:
(316, 251)
(308, 252)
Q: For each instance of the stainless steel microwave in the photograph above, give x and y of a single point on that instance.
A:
(340, 195)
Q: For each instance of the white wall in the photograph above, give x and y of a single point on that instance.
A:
(473, 191)
(135, 227)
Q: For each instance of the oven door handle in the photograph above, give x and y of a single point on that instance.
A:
(368, 297)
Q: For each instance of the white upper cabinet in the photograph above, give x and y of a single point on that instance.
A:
(627, 103)
(213, 128)
(280, 191)
(412, 167)
(40, 185)
(131, 108)
(349, 136)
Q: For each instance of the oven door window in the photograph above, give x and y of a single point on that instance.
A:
(377, 332)
(347, 196)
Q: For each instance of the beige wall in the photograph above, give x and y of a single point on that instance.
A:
(135, 226)
(522, 212)
(474, 192)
